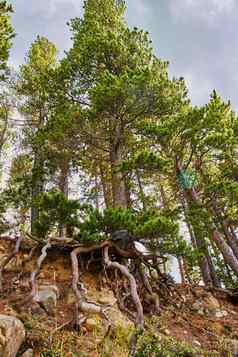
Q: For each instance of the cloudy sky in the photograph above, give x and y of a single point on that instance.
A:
(198, 37)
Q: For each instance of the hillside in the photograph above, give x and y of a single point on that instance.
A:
(193, 320)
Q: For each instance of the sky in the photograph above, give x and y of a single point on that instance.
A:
(197, 37)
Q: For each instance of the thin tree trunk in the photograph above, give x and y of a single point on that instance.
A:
(206, 265)
(117, 180)
(181, 270)
(141, 190)
(224, 226)
(64, 188)
(105, 187)
(37, 188)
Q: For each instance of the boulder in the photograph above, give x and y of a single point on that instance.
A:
(47, 296)
(12, 334)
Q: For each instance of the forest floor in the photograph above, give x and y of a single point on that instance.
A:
(206, 320)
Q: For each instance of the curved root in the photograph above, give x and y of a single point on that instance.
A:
(10, 257)
(84, 306)
(35, 273)
(134, 294)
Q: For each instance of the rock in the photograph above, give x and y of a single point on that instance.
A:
(167, 332)
(91, 324)
(12, 334)
(47, 295)
(106, 299)
(28, 353)
(71, 298)
(211, 303)
(221, 313)
(201, 311)
(197, 343)
(197, 305)
(233, 345)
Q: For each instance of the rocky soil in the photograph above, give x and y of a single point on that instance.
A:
(206, 321)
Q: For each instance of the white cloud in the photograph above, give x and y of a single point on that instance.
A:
(207, 11)
(199, 86)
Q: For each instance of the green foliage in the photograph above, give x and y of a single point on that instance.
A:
(152, 344)
(6, 35)
(54, 208)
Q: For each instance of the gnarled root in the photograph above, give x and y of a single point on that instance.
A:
(83, 306)
(35, 273)
(10, 257)
(134, 294)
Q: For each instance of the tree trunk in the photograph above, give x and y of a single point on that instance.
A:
(141, 190)
(37, 188)
(224, 226)
(206, 264)
(117, 180)
(181, 270)
(64, 188)
(107, 194)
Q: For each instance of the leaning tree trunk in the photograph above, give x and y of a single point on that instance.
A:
(208, 272)
(230, 238)
(222, 245)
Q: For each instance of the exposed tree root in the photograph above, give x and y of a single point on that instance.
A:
(134, 294)
(7, 260)
(83, 306)
(35, 273)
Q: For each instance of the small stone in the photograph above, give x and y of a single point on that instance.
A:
(71, 298)
(196, 306)
(166, 332)
(197, 343)
(233, 345)
(28, 353)
(211, 303)
(106, 300)
(201, 311)
(221, 313)
(91, 324)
